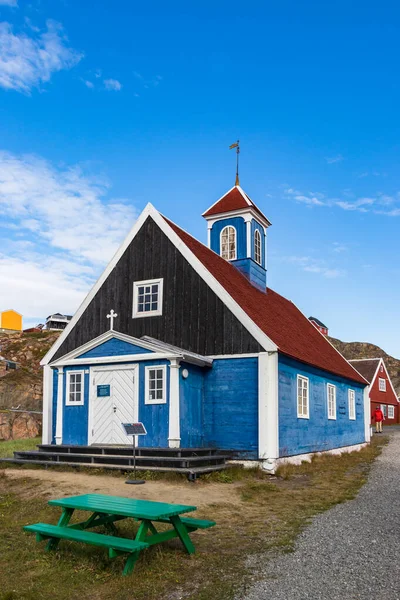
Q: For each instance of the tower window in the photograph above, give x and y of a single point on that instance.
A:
(228, 243)
(257, 246)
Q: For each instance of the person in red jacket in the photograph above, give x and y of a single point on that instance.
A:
(378, 416)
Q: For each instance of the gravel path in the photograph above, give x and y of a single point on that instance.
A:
(345, 554)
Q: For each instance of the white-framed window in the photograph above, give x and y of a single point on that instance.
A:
(390, 412)
(147, 298)
(331, 393)
(303, 397)
(257, 247)
(75, 388)
(156, 385)
(352, 405)
(228, 243)
(382, 384)
(384, 410)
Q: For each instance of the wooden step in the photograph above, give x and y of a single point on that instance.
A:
(123, 468)
(171, 461)
(127, 450)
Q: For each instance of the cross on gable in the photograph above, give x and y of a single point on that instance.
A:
(112, 316)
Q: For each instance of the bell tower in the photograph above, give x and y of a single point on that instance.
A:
(237, 231)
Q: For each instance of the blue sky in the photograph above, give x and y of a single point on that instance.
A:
(105, 107)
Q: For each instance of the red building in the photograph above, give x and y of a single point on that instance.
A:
(319, 325)
(382, 392)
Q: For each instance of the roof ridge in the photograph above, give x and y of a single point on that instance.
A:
(216, 202)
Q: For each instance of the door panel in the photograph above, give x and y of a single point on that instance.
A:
(108, 412)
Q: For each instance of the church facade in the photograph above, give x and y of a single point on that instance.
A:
(189, 339)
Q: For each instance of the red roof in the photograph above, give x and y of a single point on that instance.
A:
(235, 199)
(276, 316)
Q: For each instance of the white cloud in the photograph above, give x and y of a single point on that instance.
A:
(334, 159)
(112, 85)
(8, 3)
(65, 229)
(338, 247)
(361, 204)
(314, 265)
(148, 82)
(309, 198)
(88, 84)
(26, 62)
(64, 206)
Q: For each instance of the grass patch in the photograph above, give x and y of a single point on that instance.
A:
(267, 515)
(8, 448)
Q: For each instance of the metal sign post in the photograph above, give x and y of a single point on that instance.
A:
(134, 429)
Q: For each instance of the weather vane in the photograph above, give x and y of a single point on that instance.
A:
(236, 145)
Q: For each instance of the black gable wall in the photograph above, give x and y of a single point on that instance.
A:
(193, 317)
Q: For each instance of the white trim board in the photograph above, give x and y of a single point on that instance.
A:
(198, 266)
(101, 339)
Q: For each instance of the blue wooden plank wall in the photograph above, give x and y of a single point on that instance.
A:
(114, 347)
(75, 418)
(301, 436)
(250, 269)
(154, 416)
(231, 405)
(240, 226)
(191, 396)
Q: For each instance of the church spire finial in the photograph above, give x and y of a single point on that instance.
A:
(236, 145)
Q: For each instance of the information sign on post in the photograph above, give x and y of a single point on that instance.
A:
(134, 429)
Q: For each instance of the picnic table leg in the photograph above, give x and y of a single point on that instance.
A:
(183, 534)
(130, 563)
(62, 522)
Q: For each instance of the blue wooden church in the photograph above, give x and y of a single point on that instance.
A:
(191, 341)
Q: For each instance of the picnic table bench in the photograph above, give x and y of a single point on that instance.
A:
(107, 510)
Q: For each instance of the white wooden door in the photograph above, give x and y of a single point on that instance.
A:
(119, 405)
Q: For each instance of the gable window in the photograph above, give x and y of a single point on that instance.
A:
(257, 246)
(302, 397)
(352, 405)
(331, 391)
(75, 385)
(228, 243)
(155, 385)
(147, 298)
(382, 384)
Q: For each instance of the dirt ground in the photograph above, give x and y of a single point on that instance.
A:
(57, 483)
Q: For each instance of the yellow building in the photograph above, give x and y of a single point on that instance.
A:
(10, 319)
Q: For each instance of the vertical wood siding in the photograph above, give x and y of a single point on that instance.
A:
(318, 433)
(193, 317)
(231, 405)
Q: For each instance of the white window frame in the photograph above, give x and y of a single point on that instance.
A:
(220, 242)
(303, 415)
(331, 415)
(382, 384)
(81, 402)
(147, 370)
(257, 240)
(384, 410)
(352, 405)
(150, 313)
(390, 412)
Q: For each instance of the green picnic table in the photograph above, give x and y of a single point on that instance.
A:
(106, 510)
